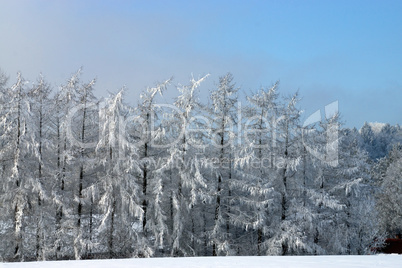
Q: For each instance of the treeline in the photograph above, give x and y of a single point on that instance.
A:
(378, 139)
(82, 177)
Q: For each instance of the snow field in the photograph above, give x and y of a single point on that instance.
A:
(375, 261)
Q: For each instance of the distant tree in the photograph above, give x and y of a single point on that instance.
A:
(390, 195)
(356, 226)
(379, 138)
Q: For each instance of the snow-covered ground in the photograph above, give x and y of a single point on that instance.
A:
(377, 261)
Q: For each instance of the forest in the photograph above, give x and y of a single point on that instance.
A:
(85, 178)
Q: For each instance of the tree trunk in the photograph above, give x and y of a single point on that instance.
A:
(18, 211)
(110, 239)
(39, 253)
(217, 210)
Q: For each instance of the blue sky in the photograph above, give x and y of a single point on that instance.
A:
(346, 51)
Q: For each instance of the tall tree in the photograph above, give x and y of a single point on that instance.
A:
(39, 107)
(184, 167)
(82, 126)
(223, 113)
(288, 238)
(258, 153)
(61, 165)
(146, 136)
(119, 188)
(19, 184)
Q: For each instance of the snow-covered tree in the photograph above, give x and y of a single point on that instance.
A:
(146, 135)
(61, 166)
(19, 184)
(256, 165)
(322, 144)
(39, 116)
(379, 138)
(184, 166)
(339, 197)
(74, 132)
(223, 115)
(80, 178)
(117, 185)
(287, 237)
(356, 228)
(83, 129)
(390, 195)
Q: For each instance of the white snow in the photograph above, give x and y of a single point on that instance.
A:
(377, 261)
(377, 127)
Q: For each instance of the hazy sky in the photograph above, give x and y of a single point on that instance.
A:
(346, 51)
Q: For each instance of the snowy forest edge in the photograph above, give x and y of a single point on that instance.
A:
(85, 178)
